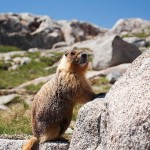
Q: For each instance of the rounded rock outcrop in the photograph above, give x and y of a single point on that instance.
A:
(122, 120)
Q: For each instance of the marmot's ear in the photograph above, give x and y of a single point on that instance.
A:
(75, 48)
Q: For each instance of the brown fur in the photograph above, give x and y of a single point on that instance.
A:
(52, 107)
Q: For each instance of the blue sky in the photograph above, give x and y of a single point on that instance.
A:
(103, 13)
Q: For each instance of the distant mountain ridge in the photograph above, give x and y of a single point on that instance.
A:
(26, 31)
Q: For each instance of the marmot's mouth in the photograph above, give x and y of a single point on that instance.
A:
(83, 64)
(83, 59)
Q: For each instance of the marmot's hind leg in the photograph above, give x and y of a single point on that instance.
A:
(65, 124)
(52, 132)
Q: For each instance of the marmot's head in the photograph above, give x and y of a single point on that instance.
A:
(75, 61)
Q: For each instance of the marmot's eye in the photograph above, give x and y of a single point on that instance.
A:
(66, 54)
(72, 53)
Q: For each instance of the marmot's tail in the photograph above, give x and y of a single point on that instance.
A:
(30, 144)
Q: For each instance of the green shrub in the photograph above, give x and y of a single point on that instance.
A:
(4, 65)
(32, 89)
(4, 49)
(10, 79)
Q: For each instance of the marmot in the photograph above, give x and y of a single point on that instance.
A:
(53, 105)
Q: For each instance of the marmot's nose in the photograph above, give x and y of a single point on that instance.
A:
(84, 55)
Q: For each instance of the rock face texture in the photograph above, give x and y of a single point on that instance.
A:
(111, 51)
(6, 144)
(129, 108)
(138, 42)
(76, 31)
(28, 31)
(130, 25)
(122, 120)
(10, 144)
(86, 134)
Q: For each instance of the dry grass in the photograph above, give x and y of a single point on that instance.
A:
(15, 120)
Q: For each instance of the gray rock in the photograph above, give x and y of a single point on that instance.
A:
(47, 25)
(29, 31)
(120, 69)
(7, 58)
(88, 44)
(76, 31)
(7, 98)
(148, 40)
(25, 60)
(111, 51)
(54, 146)
(129, 108)
(87, 131)
(17, 60)
(133, 25)
(6, 144)
(33, 50)
(26, 16)
(138, 42)
(11, 54)
(47, 54)
(20, 61)
(113, 77)
(3, 107)
(59, 44)
(122, 120)
(13, 67)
